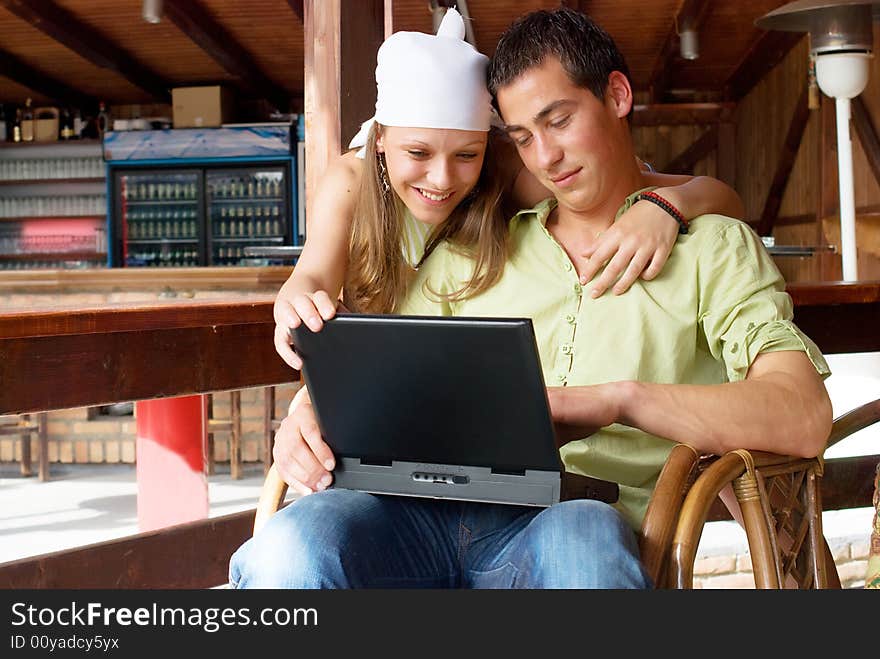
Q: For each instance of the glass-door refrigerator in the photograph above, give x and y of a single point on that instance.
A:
(199, 197)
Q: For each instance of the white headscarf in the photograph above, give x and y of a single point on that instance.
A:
(430, 81)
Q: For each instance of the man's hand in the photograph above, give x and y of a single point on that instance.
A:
(301, 456)
(578, 412)
(637, 244)
(312, 309)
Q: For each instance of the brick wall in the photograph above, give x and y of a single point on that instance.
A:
(74, 438)
(731, 567)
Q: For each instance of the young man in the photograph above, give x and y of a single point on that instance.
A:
(705, 354)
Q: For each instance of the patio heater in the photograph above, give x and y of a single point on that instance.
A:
(841, 42)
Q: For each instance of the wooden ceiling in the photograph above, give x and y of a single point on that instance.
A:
(80, 51)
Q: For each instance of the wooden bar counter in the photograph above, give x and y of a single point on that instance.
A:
(59, 357)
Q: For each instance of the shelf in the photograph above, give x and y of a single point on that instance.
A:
(161, 241)
(48, 145)
(799, 250)
(159, 202)
(246, 239)
(40, 218)
(55, 256)
(43, 181)
(284, 251)
(238, 200)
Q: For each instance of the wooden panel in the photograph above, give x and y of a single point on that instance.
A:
(113, 355)
(273, 35)
(840, 316)
(47, 55)
(193, 555)
(268, 278)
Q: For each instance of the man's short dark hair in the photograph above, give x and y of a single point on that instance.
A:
(587, 53)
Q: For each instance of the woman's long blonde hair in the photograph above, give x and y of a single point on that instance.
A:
(378, 272)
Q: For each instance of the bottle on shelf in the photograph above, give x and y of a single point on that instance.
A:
(27, 122)
(16, 126)
(103, 120)
(78, 124)
(66, 125)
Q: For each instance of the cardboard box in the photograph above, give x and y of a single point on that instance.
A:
(46, 124)
(198, 107)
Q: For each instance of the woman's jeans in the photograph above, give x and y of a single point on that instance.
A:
(347, 539)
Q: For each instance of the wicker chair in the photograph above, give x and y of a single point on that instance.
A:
(779, 498)
(781, 511)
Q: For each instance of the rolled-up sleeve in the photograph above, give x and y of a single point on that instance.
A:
(744, 309)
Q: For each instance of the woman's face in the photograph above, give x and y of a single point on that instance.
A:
(432, 169)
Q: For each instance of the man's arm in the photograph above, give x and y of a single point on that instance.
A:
(781, 406)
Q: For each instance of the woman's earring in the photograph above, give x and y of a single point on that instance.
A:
(383, 174)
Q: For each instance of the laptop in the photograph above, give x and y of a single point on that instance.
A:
(426, 406)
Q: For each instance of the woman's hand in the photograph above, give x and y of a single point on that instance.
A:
(301, 456)
(309, 308)
(637, 244)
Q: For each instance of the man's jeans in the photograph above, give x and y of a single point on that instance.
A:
(347, 539)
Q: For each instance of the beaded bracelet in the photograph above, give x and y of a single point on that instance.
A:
(654, 198)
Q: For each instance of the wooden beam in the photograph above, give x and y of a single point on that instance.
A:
(685, 161)
(681, 114)
(768, 51)
(297, 7)
(867, 135)
(14, 69)
(207, 33)
(65, 28)
(784, 164)
(342, 38)
(192, 555)
(691, 15)
(866, 213)
(112, 353)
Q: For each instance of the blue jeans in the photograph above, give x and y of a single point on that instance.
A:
(346, 539)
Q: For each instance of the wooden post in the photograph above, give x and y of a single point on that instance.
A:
(341, 41)
(726, 158)
(829, 266)
(389, 18)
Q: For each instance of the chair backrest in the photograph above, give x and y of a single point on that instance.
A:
(781, 505)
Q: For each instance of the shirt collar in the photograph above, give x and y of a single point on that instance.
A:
(542, 210)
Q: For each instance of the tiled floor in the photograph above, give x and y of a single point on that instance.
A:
(84, 504)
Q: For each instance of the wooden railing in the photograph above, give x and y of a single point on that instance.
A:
(72, 358)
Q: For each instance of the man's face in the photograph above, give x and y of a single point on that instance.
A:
(566, 137)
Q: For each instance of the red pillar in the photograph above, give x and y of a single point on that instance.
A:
(171, 439)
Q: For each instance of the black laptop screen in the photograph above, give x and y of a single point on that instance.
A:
(456, 391)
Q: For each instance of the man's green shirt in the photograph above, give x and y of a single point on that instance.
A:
(718, 303)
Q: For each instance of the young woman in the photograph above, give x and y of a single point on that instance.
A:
(432, 168)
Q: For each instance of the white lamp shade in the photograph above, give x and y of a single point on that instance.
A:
(842, 75)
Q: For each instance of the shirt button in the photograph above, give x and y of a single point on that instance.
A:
(567, 349)
(560, 377)
(578, 289)
(567, 265)
(570, 319)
